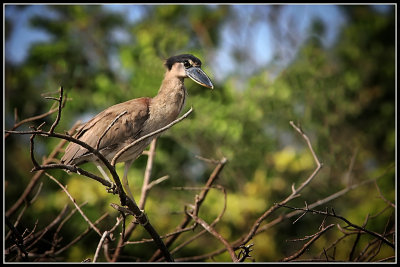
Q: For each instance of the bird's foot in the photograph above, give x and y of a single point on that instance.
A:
(112, 189)
(141, 219)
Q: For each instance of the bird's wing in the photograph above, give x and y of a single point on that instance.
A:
(120, 123)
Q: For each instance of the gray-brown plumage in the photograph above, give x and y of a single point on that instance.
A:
(121, 124)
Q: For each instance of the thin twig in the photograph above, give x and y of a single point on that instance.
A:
(245, 252)
(332, 214)
(305, 137)
(212, 224)
(382, 197)
(106, 248)
(147, 240)
(320, 202)
(19, 240)
(36, 177)
(158, 181)
(34, 118)
(55, 239)
(212, 161)
(295, 191)
(353, 249)
(147, 173)
(76, 205)
(103, 237)
(308, 244)
(78, 238)
(108, 128)
(212, 178)
(39, 235)
(351, 166)
(212, 231)
(125, 200)
(16, 221)
(255, 228)
(60, 101)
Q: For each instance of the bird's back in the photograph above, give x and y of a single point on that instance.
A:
(116, 126)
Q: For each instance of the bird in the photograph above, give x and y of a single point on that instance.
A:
(119, 125)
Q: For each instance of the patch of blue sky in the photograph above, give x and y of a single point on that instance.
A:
(23, 35)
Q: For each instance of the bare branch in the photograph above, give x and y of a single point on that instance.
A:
(346, 221)
(147, 173)
(213, 177)
(78, 238)
(147, 240)
(308, 244)
(300, 131)
(351, 166)
(60, 101)
(55, 236)
(103, 237)
(39, 235)
(123, 197)
(37, 175)
(19, 240)
(74, 202)
(212, 161)
(34, 118)
(295, 191)
(212, 231)
(212, 224)
(236, 244)
(158, 181)
(382, 197)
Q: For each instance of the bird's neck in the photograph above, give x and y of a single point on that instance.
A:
(169, 101)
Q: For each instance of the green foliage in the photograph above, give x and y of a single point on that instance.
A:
(342, 96)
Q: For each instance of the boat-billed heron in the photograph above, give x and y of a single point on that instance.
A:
(121, 124)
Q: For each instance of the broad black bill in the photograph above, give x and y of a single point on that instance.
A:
(199, 76)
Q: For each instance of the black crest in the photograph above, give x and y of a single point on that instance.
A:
(181, 58)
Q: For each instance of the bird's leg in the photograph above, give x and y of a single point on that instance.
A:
(103, 173)
(125, 179)
(113, 186)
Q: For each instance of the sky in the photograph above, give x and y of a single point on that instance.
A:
(262, 42)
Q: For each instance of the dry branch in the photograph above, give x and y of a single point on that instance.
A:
(333, 214)
(308, 244)
(74, 202)
(295, 191)
(22, 199)
(186, 220)
(212, 231)
(254, 229)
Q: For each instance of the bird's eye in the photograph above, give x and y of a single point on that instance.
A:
(187, 64)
